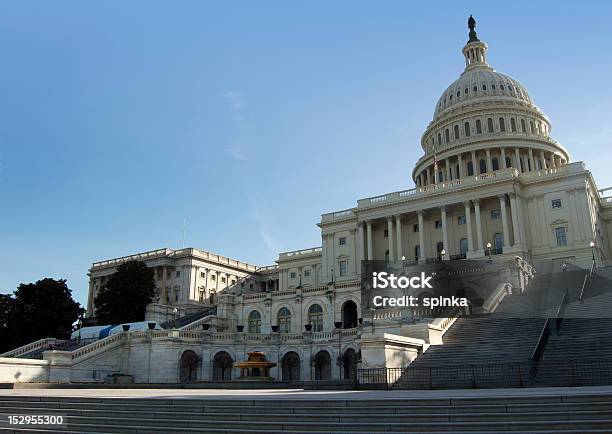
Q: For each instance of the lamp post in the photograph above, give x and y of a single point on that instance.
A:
(489, 250)
(592, 246)
(442, 254)
(174, 312)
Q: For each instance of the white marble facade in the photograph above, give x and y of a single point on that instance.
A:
(490, 175)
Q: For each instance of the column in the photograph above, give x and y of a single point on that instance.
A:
(502, 205)
(390, 238)
(164, 276)
(360, 234)
(428, 175)
(531, 161)
(448, 174)
(460, 166)
(90, 297)
(515, 222)
(398, 232)
(518, 159)
(444, 231)
(489, 163)
(553, 158)
(369, 235)
(421, 234)
(543, 160)
(324, 268)
(435, 174)
(468, 222)
(478, 224)
(474, 163)
(421, 179)
(503, 158)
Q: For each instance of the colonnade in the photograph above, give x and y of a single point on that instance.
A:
(456, 167)
(475, 242)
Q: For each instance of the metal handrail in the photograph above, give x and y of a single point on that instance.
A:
(538, 351)
(587, 278)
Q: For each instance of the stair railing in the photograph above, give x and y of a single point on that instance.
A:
(587, 278)
(538, 351)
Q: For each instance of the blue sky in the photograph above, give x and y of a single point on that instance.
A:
(119, 120)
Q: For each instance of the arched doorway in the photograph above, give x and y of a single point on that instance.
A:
(290, 366)
(322, 366)
(349, 362)
(222, 366)
(349, 315)
(188, 367)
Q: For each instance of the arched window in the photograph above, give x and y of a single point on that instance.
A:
(439, 139)
(495, 163)
(290, 366)
(523, 129)
(483, 166)
(457, 171)
(322, 365)
(531, 127)
(254, 322)
(498, 242)
(513, 125)
(222, 366)
(284, 320)
(463, 246)
(447, 135)
(349, 315)
(502, 124)
(484, 87)
(490, 125)
(456, 132)
(417, 252)
(478, 126)
(466, 129)
(315, 317)
(470, 168)
(508, 162)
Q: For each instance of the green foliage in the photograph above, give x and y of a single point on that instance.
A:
(124, 297)
(38, 310)
(6, 307)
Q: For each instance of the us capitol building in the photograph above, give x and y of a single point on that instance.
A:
(491, 185)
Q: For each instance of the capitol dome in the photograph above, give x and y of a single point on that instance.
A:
(480, 83)
(484, 121)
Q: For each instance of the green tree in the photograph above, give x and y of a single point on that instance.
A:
(124, 297)
(6, 311)
(42, 309)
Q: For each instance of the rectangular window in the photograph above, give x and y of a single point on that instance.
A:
(461, 220)
(343, 268)
(556, 203)
(223, 280)
(560, 235)
(233, 282)
(202, 274)
(342, 241)
(178, 273)
(306, 273)
(213, 277)
(415, 228)
(495, 214)
(438, 224)
(292, 275)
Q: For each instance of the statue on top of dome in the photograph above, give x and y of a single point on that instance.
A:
(472, 26)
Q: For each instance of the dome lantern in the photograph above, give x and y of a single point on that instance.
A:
(475, 50)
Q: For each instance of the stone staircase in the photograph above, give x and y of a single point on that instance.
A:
(188, 319)
(537, 412)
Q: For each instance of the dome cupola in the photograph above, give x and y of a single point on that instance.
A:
(481, 110)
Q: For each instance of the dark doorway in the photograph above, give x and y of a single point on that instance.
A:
(222, 366)
(290, 366)
(349, 360)
(322, 366)
(189, 367)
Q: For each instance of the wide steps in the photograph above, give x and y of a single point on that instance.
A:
(551, 413)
